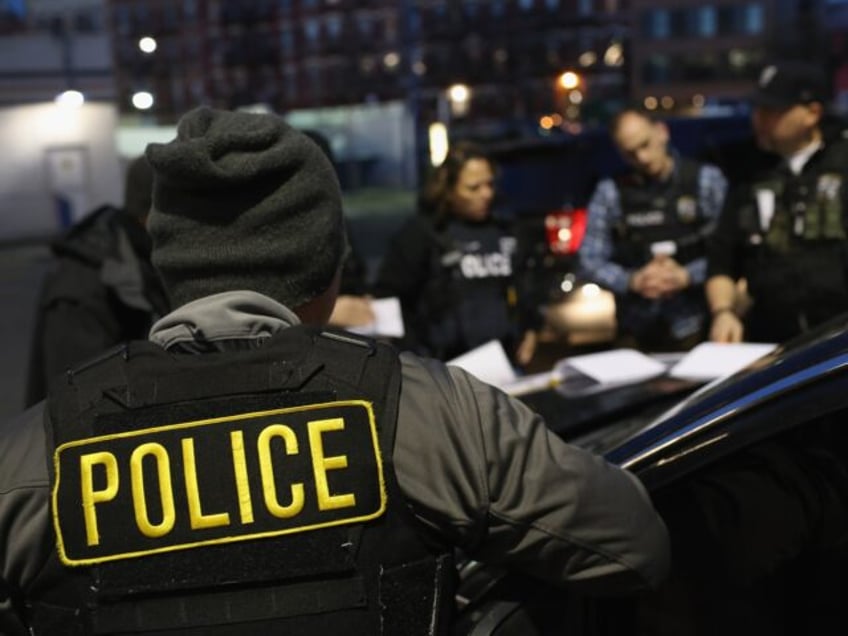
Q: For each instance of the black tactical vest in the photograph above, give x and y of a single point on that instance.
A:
(470, 297)
(668, 214)
(238, 492)
(794, 241)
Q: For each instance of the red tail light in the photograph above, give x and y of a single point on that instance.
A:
(564, 230)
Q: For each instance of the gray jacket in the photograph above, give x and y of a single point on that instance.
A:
(477, 466)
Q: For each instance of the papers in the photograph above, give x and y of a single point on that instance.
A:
(711, 360)
(590, 373)
(619, 366)
(388, 322)
(532, 383)
(488, 363)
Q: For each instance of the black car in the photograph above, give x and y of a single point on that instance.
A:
(751, 476)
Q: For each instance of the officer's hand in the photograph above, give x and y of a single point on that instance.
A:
(526, 348)
(726, 327)
(673, 277)
(352, 311)
(648, 281)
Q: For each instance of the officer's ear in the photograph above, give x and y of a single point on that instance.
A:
(815, 112)
(661, 130)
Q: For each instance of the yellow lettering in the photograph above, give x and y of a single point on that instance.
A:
(166, 494)
(90, 497)
(195, 510)
(321, 464)
(240, 470)
(269, 487)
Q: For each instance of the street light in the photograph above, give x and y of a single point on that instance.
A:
(614, 55)
(438, 138)
(147, 44)
(142, 100)
(569, 80)
(459, 96)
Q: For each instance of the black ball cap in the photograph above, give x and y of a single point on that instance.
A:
(786, 84)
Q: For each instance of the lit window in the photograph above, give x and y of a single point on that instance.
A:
(365, 25)
(657, 24)
(287, 42)
(311, 29)
(753, 19)
(707, 23)
(334, 25)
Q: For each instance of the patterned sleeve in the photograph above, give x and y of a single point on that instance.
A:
(597, 248)
(712, 188)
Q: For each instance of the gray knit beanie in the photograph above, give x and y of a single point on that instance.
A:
(242, 201)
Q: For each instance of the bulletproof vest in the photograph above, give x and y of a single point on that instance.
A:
(794, 236)
(238, 492)
(660, 218)
(470, 298)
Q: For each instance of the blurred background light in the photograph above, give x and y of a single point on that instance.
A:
(70, 99)
(569, 80)
(438, 136)
(142, 100)
(147, 44)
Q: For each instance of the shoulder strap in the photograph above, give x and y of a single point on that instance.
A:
(690, 172)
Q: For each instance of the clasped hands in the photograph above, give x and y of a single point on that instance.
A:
(660, 278)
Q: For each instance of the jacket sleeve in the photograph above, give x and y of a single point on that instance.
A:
(712, 188)
(596, 252)
(722, 245)
(76, 319)
(25, 533)
(501, 486)
(405, 269)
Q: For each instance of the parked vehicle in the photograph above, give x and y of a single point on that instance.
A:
(751, 476)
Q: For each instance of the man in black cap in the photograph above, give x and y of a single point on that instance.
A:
(784, 232)
(249, 470)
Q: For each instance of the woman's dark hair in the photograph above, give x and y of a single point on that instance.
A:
(435, 197)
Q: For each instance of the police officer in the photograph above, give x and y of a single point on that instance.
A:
(784, 231)
(645, 237)
(454, 266)
(100, 290)
(248, 470)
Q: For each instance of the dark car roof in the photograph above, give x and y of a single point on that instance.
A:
(797, 364)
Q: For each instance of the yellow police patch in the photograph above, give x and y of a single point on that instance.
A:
(219, 480)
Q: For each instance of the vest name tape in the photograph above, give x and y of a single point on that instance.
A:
(648, 218)
(214, 481)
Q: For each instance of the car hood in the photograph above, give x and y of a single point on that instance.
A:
(797, 363)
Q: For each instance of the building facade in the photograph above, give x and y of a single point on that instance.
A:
(299, 54)
(684, 55)
(293, 54)
(49, 46)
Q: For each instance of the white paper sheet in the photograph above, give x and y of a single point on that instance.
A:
(488, 363)
(619, 366)
(531, 383)
(388, 322)
(711, 360)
